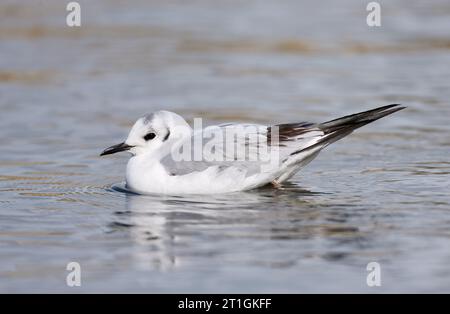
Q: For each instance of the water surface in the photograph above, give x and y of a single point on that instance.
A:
(382, 194)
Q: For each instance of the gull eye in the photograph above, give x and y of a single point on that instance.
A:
(150, 136)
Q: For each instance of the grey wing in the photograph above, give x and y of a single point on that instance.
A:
(293, 137)
(293, 143)
(228, 145)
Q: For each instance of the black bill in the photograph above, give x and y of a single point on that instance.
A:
(115, 149)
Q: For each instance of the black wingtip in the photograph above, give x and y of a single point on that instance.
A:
(357, 120)
(392, 109)
(398, 106)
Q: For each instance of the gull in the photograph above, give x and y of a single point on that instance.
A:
(169, 157)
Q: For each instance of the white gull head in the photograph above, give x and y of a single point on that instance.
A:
(153, 133)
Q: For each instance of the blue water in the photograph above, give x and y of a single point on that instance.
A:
(382, 194)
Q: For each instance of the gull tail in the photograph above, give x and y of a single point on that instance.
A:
(332, 130)
(341, 127)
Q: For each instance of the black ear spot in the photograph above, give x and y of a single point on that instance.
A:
(167, 135)
(149, 136)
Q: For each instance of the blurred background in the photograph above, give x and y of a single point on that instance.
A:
(380, 195)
